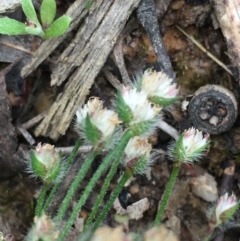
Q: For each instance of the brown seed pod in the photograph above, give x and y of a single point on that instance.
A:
(213, 109)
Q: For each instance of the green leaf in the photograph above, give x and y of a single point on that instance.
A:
(91, 131)
(52, 175)
(58, 28)
(28, 9)
(164, 102)
(48, 12)
(11, 27)
(37, 167)
(123, 110)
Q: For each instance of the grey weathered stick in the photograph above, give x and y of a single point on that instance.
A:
(147, 17)
(75, 53)
(228, 15)
(112, 79)
(91, 58)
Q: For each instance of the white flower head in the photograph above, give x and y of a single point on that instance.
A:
(137, 154)
(94, 104)
(104, 121)
(46, 163)
(224, 210)
(141, 108)
(47, 155)
(43, 229)
(159, 87)
(189, 146)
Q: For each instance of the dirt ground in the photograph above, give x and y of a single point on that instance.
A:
(186, 213)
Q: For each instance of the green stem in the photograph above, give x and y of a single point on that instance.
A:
(68, 164)
(113, 197)
(40, 201)
(75, 184)
(103, 191)
(167, 192)
(118, 151)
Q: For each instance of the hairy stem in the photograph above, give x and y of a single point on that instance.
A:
(114, 195)
(118, 151)
(40, 201)
(68, 164)
(75, 184)
(103, 191)
(167, 192)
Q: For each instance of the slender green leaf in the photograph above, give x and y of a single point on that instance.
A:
(11, 27)
(48, 12)
(28, 9)
(59, 27)
(92, 132)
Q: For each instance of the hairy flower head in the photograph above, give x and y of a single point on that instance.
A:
(46, 162)
(137, 154)
(224, 209)
(43, 229)
(95, 123)
(159, 87)
(189, 146)
(141, 109)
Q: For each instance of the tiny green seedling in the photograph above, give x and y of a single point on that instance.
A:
(48, 28)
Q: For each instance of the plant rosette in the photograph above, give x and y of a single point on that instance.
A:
(48, 28)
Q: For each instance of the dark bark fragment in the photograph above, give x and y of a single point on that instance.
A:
(147, 17)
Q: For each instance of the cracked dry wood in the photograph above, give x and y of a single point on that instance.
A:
(228, 15)
(7, 6)
(99, 34)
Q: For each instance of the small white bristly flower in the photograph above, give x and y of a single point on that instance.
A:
(106, 121)
(43, 229)
(159, 87)
(103, 119)
(137, 154)
(224, 210)
(45, 162)
(47, 155)
(92, 106)
(141, 108)
(189, 146)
